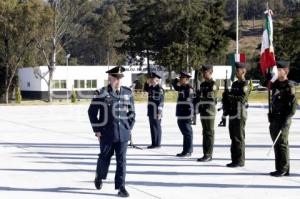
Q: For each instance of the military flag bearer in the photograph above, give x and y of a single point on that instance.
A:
(284, 105)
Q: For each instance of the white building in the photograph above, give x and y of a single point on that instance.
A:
(86, 79)
(82, 79)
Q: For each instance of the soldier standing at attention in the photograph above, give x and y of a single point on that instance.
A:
(184, 112)
(284, 105)
(115, 106)
(238, 103)
(206, 100)
(155, 107)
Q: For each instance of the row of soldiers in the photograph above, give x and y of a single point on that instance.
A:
(201, 101)
(112, 116)
(235, 103)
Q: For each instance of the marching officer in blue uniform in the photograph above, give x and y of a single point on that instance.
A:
(115, 106)
(155, 107)
(184, 111)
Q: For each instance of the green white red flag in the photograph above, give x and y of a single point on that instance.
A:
(236, 58)
(267, 54)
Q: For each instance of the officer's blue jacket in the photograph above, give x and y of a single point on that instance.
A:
(185, 100)
(155, 99)
(112, 115)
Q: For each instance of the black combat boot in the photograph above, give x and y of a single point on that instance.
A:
(279, 173)
(233, 165)
(183, 154)
(205, 158)
(98, 183)
(123, 193)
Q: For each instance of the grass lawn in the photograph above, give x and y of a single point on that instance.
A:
(140, 97)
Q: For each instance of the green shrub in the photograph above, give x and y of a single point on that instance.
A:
(73, 96)
(18, 95)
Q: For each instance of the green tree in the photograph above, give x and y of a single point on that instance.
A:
(141, 38)
(62, 26)
(287, 44)
(179, 35)
(19, 22)
(109, 32)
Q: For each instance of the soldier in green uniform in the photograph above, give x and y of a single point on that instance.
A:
(284, 105)
(238, 103)
(206, 100)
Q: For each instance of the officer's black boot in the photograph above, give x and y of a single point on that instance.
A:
(123, 193)
(184, 154)
(280, 173)
(98, 183)
(233, 165)
(153, 147)
(205, 158)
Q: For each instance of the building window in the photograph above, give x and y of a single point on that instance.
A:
(82, 84)
(63, 84)
(88, 83)
(85, 84)
(28, 84)
(55, 84)
(94, 83)
(91, 83)
(59, 84)
(76, 83)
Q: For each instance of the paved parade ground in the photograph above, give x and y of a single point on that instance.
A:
(50, 152)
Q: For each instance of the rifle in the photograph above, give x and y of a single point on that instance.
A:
(196, 87)
(225, 104)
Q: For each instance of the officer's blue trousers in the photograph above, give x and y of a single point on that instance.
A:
(155, 128)
(106, 152)
(187, 132)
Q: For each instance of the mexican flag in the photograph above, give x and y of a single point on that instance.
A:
(236, 58)
(267, 55)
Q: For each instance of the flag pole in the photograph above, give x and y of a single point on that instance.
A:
(269, 73)
(237, 27)
(269, 96)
